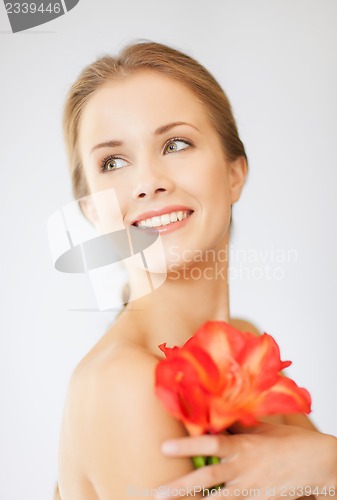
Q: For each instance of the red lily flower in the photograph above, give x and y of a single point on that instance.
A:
(221, 376)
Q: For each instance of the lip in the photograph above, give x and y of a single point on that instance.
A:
(168, 228)
(161, 211)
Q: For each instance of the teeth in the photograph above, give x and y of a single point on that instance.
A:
(163, 220)
(155, 221)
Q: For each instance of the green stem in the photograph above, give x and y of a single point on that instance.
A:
(212, 460)
(199, 462)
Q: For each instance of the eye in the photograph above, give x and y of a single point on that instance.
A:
(112, 163)
(176, 145)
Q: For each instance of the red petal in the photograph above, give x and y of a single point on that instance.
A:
(241, 367)
(284, 397)
(178, 386)
(170, 400)
(168, 351)
(220, 340)
(223, 414)
(194, 404)
(205, 367)
(261, 358)
(195, 429)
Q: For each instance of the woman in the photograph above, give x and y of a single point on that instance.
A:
(154, 131)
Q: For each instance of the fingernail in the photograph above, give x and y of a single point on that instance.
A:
(169, 447)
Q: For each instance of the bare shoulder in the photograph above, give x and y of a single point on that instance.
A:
(114, 425)
(244, 326)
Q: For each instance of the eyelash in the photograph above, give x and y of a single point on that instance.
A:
(106, 160)
(181, 139)
(116, 157)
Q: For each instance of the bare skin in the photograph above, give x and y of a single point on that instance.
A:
(113, 425)
(244, 465)
(90, 416)
(110, 405)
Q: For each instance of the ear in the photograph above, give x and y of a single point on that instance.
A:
(89, 211)
(237, 175)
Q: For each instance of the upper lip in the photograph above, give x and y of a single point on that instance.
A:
(160, 211)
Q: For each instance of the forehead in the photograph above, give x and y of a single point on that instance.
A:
(144, 99)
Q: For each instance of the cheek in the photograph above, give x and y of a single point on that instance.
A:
(123, 194)
(208, 181)
(108, 209)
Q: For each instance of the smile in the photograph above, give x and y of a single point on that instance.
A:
(164, 219)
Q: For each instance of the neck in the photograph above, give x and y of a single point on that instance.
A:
(175, 310)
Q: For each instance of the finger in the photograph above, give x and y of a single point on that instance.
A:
(197, 481)
(255, 429)
(219, 445)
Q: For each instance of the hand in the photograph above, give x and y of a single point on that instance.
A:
(277, 460)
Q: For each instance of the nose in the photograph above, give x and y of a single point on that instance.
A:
(151, 181)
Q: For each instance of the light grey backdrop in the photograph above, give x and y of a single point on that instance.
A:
(277, 62)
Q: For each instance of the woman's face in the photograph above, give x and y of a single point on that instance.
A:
(148, 138)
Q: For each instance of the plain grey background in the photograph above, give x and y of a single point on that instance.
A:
(277, 63)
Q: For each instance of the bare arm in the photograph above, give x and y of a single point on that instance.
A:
(118, 426)
(270, 459)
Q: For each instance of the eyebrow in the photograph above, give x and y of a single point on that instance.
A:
(107, 144)
(164, 128)
(159, 131)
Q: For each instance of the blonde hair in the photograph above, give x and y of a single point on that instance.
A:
(155, 57)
